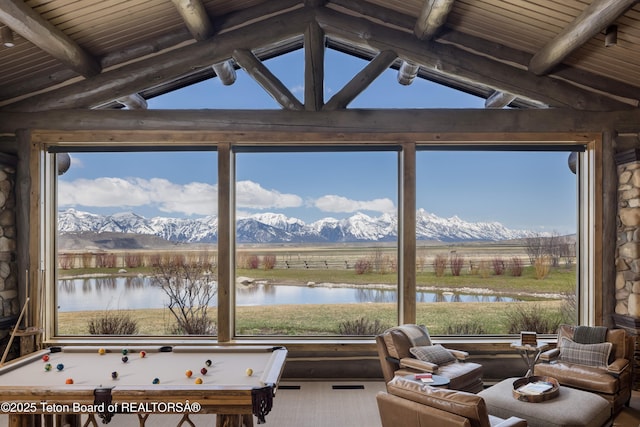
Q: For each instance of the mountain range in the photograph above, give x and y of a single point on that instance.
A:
(278, 228)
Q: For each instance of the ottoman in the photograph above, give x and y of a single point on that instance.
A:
(570, 408)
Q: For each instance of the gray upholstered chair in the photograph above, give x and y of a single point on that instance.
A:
(407, 349)
(602, 366)
(407, 403)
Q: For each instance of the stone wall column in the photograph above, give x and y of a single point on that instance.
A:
(627, 310)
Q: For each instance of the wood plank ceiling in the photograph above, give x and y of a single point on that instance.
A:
(580, 54)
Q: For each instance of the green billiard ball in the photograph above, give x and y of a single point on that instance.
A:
(47, 367)
(125, 351)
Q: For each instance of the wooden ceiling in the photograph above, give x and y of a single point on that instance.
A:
(118, 53)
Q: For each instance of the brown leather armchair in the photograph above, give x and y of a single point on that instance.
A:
(395, 347)
(410, 404)
(603, 369)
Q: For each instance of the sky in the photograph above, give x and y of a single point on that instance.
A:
(521, 190)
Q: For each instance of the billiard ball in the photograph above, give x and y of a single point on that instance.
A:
(249, 372)
(45, 358)
(208, 363)
(69, 381)
(114, 375)
(125, 351)
(198, 380)
(143, 353)
(156, 381)
(125, 359)
(188, 373)
(47, 367)
(101, 351)
(59, 366)
(203, 371)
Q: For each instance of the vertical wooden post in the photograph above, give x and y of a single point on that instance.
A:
(226, 237)
(407, 234)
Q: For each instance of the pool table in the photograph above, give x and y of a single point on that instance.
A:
(233, 382)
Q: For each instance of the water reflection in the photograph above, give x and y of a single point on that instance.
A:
(137, 292)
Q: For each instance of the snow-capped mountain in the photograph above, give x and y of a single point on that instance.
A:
(278, 228)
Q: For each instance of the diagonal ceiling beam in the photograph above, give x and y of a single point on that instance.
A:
(137, 76)
(261, 74)
(499, 100)
(361, 81)
(450, 60)
(17, 15)
(595, 18)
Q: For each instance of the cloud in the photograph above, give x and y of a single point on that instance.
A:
(333, 203)
(194, 198)
(252, 195)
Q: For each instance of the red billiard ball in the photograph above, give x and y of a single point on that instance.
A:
(203, 371)
(45, 358)
(143, 353)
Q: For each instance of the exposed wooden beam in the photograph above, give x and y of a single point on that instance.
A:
(499, 100)
(449, 60)
(313, 67)
(432, 17)
(361, 81)
(504, 53)
(133, 102)
(265, 78)
(407, 73)
(195, 17)
(17, 15)
(137, 76)
(225, 72)
(594, 19)
(426, 125)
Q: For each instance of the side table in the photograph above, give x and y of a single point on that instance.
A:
(530, 353)
(437, 380)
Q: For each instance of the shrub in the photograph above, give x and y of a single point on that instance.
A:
(532, 317)
(456, 262)
(483, 270)
(498, 266)
(66, 261)
(440, 264)
(132, 260)
(113, 323)
(362, 326)
(269, 262)
(363, 266)
(465, 328)
(516, 267)
(542, 267)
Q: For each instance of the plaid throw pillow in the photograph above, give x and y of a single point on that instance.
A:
(585, 354)
(436, 354)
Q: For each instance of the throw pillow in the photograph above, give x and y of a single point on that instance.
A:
(585, 354)
(436, 354)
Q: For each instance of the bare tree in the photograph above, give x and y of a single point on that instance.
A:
(190, 287)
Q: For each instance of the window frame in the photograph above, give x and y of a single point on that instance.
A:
(590, 208)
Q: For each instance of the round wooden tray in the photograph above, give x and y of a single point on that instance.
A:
(535, 398)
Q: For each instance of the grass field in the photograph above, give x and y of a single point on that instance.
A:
(320, 265)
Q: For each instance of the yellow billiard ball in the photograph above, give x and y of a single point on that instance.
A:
(198, 380)
(249, 372)
(101, 351)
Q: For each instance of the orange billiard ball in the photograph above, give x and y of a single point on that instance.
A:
(69, 381)
(198, 380)
(188, 373)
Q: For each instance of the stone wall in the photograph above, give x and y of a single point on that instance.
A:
(627, 311)
(9, 297)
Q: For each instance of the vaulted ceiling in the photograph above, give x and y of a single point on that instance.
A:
(580, 54)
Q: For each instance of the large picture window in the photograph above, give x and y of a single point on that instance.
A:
(136, 243)
(316, 242)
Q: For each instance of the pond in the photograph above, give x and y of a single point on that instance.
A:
(139, 293)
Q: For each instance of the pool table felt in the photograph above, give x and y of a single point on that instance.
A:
(89, 369)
